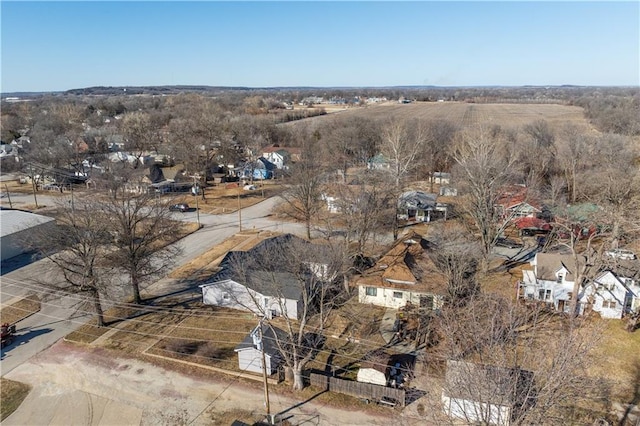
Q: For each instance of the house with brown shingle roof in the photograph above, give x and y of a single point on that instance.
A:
(404, 274)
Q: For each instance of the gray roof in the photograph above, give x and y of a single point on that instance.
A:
(486, 383)
(549, 263)
(262, 273)
(268, 336)
(14, 221)
(417, 199)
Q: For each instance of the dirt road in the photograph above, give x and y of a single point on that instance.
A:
(74, 385)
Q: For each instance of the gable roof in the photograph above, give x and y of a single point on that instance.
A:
(548, 264)
(262, 276)
(516, 195)
(269, 335)
(406, 265)
(417, 200)
(487, 384)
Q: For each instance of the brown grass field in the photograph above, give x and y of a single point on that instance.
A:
(466, 114)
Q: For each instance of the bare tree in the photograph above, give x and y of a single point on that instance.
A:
(140, 134)
(505, 354)
(364, 210)
(143, 232)
(281, 267)
(401, 145)
(572, 149)
(456, 256)
(483, 168)
(613, 183)
(77, 246)
(304, 189)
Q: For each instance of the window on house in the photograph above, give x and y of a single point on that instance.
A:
(547, 295)
(612, 304)
(371, 291)
(559, 278)
(397, 295)
(541, 294)
(225, 296)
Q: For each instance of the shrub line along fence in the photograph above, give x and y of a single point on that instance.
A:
(367, 391)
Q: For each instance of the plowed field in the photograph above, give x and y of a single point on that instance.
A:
(466, 114)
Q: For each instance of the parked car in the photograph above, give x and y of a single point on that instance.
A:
(506, 242)
(621, 254)
(181, 207)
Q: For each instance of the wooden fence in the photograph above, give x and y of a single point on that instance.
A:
(367, 391)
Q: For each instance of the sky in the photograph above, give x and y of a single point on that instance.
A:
(54, 46)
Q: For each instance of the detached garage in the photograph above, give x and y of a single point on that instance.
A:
(16, 226)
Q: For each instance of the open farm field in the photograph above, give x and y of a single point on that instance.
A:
(467, 114)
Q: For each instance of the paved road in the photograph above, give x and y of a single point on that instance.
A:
(59, 315)
(73, 389)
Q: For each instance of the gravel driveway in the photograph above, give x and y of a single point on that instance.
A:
(84, 386)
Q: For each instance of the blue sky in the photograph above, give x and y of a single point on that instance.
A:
(48, 46)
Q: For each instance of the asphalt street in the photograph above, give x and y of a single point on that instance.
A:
(62, 314)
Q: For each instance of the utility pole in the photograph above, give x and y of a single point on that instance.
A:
(239, 209)
(194, 191)
(264, 374)
(8, 195)
(33, 185)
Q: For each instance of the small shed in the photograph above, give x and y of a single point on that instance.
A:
(250, 350)
(380, 368)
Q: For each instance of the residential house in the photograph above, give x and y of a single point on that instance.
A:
(612, 295)
(282, 156)
(378, 162)
(441, 178)
(404, 274)
(261, 338)
(259, 169)
(515, 202)
(483, 394)
(419, 206)
(253, 281)
(551, 280)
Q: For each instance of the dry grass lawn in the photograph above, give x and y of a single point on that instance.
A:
(20, 309)
(617, 358)
(11, 394)
(206, 264)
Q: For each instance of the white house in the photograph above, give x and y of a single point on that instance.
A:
(612, 296)
(485, 394)
(441, 178)
(404, 274)
(250, 350)
(551, 280)
(254, 281)
(276, 294)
